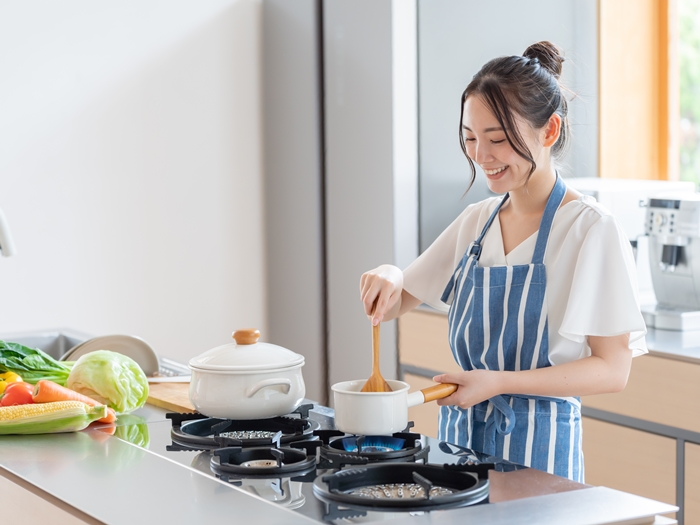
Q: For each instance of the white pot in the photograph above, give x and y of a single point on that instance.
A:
(247, 379)
(379, 413)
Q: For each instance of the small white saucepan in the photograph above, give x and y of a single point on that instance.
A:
(380, 413)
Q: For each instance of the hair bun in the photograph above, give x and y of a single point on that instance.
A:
(548, 55)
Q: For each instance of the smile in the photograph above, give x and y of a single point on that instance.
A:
(495, 172)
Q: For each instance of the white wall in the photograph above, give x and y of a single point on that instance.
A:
(130, 169)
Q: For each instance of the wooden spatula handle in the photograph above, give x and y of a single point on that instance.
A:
(438, 391)
(375, 349)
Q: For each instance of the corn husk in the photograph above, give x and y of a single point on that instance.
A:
(47, 418)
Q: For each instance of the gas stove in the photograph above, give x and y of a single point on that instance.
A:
(301, 462)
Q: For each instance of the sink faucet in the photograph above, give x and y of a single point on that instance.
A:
(7, 247)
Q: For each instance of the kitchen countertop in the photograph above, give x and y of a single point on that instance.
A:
(121, 479)
(682, 346)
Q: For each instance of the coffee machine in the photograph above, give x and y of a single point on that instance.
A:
(673, 226)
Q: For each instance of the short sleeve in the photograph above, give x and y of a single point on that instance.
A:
(427, 276)
(604, 300)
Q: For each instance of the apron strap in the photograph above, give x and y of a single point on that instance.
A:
(475, 247)
(553, 203)
(504, 415)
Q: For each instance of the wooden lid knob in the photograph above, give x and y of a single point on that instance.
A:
(247, 336)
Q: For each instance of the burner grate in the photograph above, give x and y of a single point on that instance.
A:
(405, 486)
(373, 444)
(361, 450)
(398, 491)
(197, 432)
(260, 461)
(246, 434)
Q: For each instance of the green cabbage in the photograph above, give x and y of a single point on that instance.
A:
(110, 378)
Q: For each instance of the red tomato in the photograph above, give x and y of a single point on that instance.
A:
(17, 394)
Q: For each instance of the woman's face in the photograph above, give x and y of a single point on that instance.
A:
(487, 146)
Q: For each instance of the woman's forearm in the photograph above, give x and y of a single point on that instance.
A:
(605, 371)
(588, 376)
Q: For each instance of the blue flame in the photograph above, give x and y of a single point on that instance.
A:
(374, 444)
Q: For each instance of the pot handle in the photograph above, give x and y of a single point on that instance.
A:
(431, 393)
(285, 383)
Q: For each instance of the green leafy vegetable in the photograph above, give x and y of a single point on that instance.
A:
(110, 378)
(32, 364)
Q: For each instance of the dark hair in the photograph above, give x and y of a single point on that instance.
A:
(528, 86)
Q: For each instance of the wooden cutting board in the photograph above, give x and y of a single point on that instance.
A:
(170, 396)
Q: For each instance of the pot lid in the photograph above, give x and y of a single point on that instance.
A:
(246, 354)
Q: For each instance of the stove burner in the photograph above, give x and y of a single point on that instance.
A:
(338, 449)
(405, 486)
(236, 462)
(373, 444)
(247, 434)
(399, 490)
(198, 432)
(260, 463)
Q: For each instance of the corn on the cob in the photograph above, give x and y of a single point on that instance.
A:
(44, 418)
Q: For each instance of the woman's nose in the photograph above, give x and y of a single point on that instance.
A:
(482, 154)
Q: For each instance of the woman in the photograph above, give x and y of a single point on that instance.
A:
(540, 283)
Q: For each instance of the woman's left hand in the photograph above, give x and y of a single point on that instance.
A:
(475, 386)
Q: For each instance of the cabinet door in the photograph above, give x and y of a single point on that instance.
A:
(424, 416)
(692, 484)
(660, 390)
(629, 460)
(423, 342)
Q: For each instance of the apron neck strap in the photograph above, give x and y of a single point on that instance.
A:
(555, 199)
(553, 203)
(475, 247)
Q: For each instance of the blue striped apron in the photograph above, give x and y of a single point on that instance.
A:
(498, 321)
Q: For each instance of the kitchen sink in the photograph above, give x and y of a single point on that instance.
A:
(53, 342)
(57, 342)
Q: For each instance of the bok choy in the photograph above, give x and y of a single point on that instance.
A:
(32, 364)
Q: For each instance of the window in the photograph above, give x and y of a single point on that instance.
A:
(637, 89)
(650, 89)
(689, 66)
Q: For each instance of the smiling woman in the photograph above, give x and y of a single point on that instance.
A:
(536, 315)
(533, 93)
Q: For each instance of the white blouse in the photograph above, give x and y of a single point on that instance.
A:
(591, 273)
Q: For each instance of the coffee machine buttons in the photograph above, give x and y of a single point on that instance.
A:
(660, 219)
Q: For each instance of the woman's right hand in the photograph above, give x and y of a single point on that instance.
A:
(382, 286)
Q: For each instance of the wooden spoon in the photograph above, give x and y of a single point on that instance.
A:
(376, 382)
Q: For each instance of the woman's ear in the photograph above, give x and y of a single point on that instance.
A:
(552, 130)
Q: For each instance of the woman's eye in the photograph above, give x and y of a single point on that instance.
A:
(498, 141)
(469, 140)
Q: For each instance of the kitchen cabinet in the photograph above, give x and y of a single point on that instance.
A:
(660, 398)
(624, 433)
(692, 484)
(660, 390)
(424, 351)
(612, 458)
(424, 416)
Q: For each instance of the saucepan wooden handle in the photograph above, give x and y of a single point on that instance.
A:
(438, 391)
